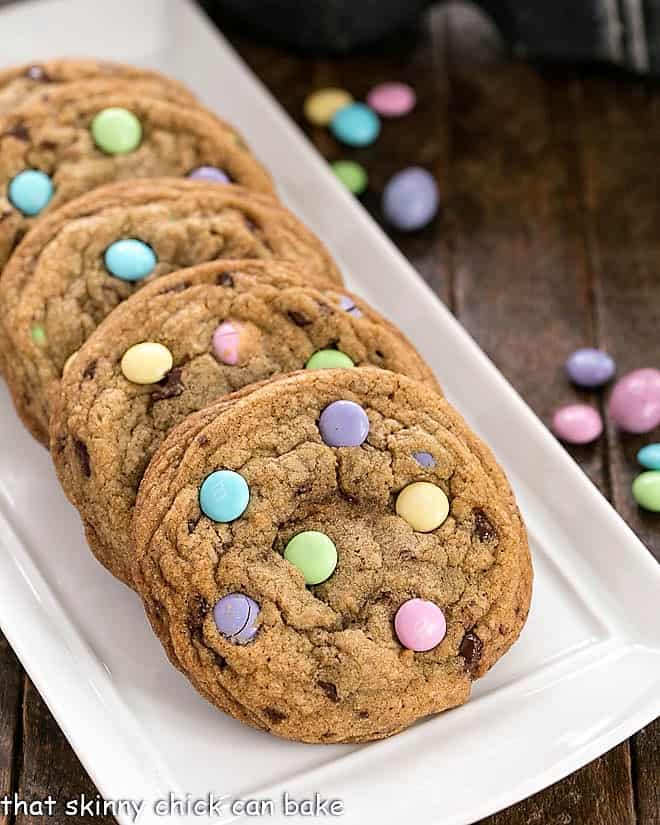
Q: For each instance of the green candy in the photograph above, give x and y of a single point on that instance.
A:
(352, 175)
(38, 334)
(646, 490)
(328, 359)
(314, 554)
(116, 131)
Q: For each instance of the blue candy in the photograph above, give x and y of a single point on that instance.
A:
(130, 259)
(411, 199)
(649, 456)
(31, 191)
(589, 367)
(356, 125)
(224, 495)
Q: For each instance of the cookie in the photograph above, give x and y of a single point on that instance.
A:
(332, 555)
(80, 261)
(56, 150)
(179, 344)
(19, 83)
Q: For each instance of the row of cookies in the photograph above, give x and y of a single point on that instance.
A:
(155, 296)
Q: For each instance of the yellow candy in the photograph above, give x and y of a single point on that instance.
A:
(146, 363)
(321, 106)
(423, 505)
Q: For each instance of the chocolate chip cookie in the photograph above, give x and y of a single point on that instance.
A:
(19, 83)
(332, 555)
(80, 261)
(177, 345)
(54, 150)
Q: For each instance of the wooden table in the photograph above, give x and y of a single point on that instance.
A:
(549, 240)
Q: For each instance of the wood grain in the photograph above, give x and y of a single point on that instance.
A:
(11, 699)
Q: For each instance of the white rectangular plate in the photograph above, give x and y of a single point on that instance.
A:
(586, 672)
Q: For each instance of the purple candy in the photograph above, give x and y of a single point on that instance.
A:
(348, 304)
(235, 616)
(209, 173)
(411, 199)
(635, 401)
(589, 367)
(424, 459)
(344, 424)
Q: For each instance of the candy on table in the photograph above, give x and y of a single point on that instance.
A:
(314, 554)
(116, 131)
(392, 99)
(635, 401)
(322, 105)
(590, 367)
(646, 490)
(130, 259)
(209, 173)
(224, 496)
(649, 456)
(411, 199)
(423, 505)
(325, 359)
(352, 175)
(146, 363)
(344, 424)
(235, 616)
(30, 191)
(577, 424)
(356, 125)
(420, 625)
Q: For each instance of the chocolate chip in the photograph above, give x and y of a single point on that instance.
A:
(363, 714)
(38, 74)
(176, 288)
(90, 369)
(220, 661)
(304, 488)
(48, 145)
(299, 319)
(5, 215)
(483, 529)
(225, 279)
(274, 715)
(202, 441)
(471, 649)
(379, 354)
(20, 132)
(83, 456)
(60, 444)
(192, 523)
(170, 387)
(330, 690)
(324, 309)
(198, 611)
(251, 225)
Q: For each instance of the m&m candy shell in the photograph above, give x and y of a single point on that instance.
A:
(344, 424)
(646, 490)
(356, 125)
(235, 616)
(322, 105)
(411, 199)
(635, 401)
(577, 424)
(589, 367)
(420, 625)
(30, 191)
(224, 496)
(392, 99)
(649, 456)
(314, 554)
(352, 175)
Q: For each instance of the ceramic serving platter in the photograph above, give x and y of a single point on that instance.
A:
(585, 673)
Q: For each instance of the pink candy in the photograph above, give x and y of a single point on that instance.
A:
(392, 99)
(225, 342)
(577, 424)
(635, 401)
(420, 624)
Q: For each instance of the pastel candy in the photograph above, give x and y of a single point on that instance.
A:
(410, 199)
(424, 459)
(352, 175)
(209, 173)
(314, 554)
(635, 401)
(423, 505)
(325, 359)
(589, 367)
(224, 496)
(235, 616)
(146, 363)
(116, 131)
(577, 424)
(356, 125)
(344, 424)
(38, 335)
(226, 340)
(420, 625)
(646, 490)
(392, 99)
(130, 259)
(31, 191)
(348, 305)
(649, 456)
(322, 105)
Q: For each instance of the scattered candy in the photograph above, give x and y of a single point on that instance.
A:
(392, 99)
(589, 367)
(635, 401)
(130, 259)
(224, 495)
(646, 490)
(38, 334)
(352, 175)
(356, 125)
(424, 459)
(116, 131)
(326, 359)
(314, 554)
(146, 363)
(423, 505)
(226, 339)
(577, 424)
(420, 625)
(411, 199)
(649, 456)
(31, 191)
(209, 173)
(344, 424)
(235, 617)
(322, 105)
(348, 304)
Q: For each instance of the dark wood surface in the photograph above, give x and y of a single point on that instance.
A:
(549, 239)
